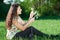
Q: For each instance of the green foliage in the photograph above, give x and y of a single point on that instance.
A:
(3, 10)
(44, 8)
(1, 1)
(47, 7)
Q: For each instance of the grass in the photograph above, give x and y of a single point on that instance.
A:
(47, 26)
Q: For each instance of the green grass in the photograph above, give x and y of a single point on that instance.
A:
(47, 26)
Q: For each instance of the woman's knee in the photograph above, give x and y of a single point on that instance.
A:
(32, 27)
(29, 28)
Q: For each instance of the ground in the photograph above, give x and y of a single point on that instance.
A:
(47, 26)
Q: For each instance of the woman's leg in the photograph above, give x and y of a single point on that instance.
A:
(24, 33)
(37, 32)
(29, 32)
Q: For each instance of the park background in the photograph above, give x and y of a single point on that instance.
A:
(48, 13)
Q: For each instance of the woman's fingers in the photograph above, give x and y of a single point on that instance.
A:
(32, 14)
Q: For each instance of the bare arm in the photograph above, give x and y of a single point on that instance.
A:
(22, 21)
(31, 16)
(21, 27)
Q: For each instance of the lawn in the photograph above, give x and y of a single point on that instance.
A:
(47, 26)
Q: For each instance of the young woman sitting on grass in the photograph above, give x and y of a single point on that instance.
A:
(14, 23)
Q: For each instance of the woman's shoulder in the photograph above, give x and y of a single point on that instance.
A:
(19, 18)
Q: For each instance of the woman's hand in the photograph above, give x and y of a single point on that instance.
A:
(32, 19)
(31, 14)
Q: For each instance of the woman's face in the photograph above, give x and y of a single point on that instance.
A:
(19, 10)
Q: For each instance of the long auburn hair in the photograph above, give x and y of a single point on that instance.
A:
(11, 14)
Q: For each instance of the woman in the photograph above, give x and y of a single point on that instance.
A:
(14, 23)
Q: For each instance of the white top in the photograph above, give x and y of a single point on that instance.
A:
(11, 33)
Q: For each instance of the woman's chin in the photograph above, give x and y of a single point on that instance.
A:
(19, 14)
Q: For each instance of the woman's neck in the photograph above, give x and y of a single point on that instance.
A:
(16, 17)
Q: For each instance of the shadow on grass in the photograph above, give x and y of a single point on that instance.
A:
(45, 18)
(1, 20)
(49, 17)
(40, 18)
